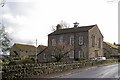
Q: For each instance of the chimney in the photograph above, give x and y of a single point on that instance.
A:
(114, 43)
(76, 24)
(58, 27)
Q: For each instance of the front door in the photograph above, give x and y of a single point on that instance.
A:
(96, 53)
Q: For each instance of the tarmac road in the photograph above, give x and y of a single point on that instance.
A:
(109, 71)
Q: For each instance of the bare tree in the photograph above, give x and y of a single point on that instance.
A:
(2, 3)
(63, 25)
(60, 51)
(53, 28)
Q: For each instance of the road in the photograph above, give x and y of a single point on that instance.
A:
(108, 71)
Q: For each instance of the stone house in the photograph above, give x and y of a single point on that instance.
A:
(109, 49)
(40, 48)
(86, 41)
(44, 56)
(118, 47)
(22, 50)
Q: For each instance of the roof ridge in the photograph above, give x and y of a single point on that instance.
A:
(24, 44)
(110, 44)
(73, 29)
(80, 27)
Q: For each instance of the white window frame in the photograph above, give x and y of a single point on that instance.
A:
(80, 40)
(71, 54)
(61, 39)
(81, 54)
(44, 56)
(53, 42)
(52, 56)
(72, 40)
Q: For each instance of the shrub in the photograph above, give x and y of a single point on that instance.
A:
(12, 63)
(16, 58)
(82, 59)
(116, 55)
(24, 61)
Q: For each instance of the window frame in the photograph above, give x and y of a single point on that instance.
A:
(99, 43)
(53, 42)
(81, 38)
(72, 40)
(81, 54)
(44, 56)
(93, 40)
(61, 39)
(71, 54)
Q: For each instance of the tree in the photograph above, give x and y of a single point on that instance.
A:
(5, 42)
(4, 38)
(63, 25)
(60, 51)
(2, 3)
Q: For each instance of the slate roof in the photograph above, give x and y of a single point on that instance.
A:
(72, 30)
(42, 51)
(29, 47)
(111, 45)
(40, 48)
(24, 46)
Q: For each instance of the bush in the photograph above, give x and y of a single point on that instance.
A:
(116, 55)
(16, 58)
(12, 63)
(24, 61)
(82, 59)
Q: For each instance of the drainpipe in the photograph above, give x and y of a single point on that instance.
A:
(36, 53)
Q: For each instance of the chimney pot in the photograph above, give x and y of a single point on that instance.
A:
(76, 24)
(58, 27)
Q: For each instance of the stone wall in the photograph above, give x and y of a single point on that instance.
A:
(29, 70)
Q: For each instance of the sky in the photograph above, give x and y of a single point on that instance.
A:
(28, 20)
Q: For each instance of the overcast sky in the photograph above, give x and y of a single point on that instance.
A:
(28, 20)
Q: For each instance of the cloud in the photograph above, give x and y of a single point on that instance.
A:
(19, 8)
(15, 19)
(24, 22)
(27, 20)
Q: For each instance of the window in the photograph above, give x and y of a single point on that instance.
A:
(52, 56)
(72, 40)
(99, 44)
(80, 54)
(71, 54)
(61, 39)
(44, 56)
(93, 40)
(83, 54)
(80, 40)
(53, 42)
